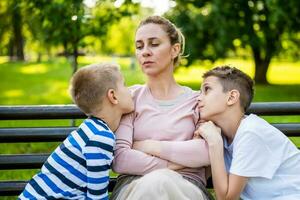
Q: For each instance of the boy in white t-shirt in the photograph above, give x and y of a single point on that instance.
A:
(257, 161)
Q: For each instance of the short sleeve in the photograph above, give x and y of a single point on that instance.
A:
(252, 157)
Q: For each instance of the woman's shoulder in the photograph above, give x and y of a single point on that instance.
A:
(136, 87)
(189, 92)
(138, 90)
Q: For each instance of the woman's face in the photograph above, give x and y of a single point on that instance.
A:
(154, 51)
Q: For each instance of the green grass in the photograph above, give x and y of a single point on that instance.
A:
(32, 83)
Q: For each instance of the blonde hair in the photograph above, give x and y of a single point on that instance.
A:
(233, 78)
(90, 84)
(174, 33)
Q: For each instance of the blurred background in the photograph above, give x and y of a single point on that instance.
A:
(43, 42)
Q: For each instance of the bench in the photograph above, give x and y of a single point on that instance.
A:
(59, 133)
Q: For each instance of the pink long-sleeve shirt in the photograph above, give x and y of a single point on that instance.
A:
(174, 126)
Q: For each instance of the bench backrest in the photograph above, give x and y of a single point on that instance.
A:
(54, 134)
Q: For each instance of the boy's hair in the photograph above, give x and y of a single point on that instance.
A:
(233, 78)
(90, 84)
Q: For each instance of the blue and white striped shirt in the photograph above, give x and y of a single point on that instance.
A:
(78, 168)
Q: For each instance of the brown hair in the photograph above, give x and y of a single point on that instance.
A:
(173, 32)
(233, 78)
(90, 84)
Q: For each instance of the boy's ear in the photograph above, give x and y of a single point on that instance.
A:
(175, 50)
(233, 97)
(111, 96)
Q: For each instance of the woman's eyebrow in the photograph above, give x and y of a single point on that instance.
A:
(151, 38)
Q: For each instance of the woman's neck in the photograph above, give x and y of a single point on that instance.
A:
(164, 89)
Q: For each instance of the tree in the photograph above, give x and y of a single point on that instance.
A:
(67, 23)
(214, 27)
(11, 25)
(60, 23)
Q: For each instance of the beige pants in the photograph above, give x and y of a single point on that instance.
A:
(162, 184)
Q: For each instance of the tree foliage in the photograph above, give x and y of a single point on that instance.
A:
(214, 27)
(62, 23)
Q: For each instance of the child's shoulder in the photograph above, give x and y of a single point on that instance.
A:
(251, 121)
(256, 127)
(92, 127)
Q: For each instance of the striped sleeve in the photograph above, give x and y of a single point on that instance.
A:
(98, 153)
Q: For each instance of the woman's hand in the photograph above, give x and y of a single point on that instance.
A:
(174, 166)
(151, 147)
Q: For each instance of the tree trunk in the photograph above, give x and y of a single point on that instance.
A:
(18, 41)
(39, 57)
(11, 50)
(75, 61)
(261, 69)
(261, 66)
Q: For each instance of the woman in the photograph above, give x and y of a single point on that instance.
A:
(159, 134)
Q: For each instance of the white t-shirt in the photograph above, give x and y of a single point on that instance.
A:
(265, 155)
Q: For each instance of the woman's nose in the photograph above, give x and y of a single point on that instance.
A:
(146, 51)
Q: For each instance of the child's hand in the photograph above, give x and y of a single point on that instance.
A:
(151, 147)
(210, 132)
(196, 133)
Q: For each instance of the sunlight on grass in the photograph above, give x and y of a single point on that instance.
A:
(94, 59)
(4, 59)
(13, 93)
(124, 62)
(58, 89)
(192, 74)
(34, 69)
(246, 66)
(284, 73)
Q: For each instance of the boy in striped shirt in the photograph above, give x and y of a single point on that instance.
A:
(79, 167)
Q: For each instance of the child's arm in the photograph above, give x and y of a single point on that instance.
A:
(98, 156)
(190, 153)
(226, 186)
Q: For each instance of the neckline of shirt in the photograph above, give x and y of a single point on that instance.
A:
(167, 105)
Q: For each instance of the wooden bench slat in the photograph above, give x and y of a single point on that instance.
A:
(41, 112)
(289, 129)
(22, 161)
(56, 134)
(72, 112)
(275, 108)
(47, 134)
(11, 188)
(14, 188)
